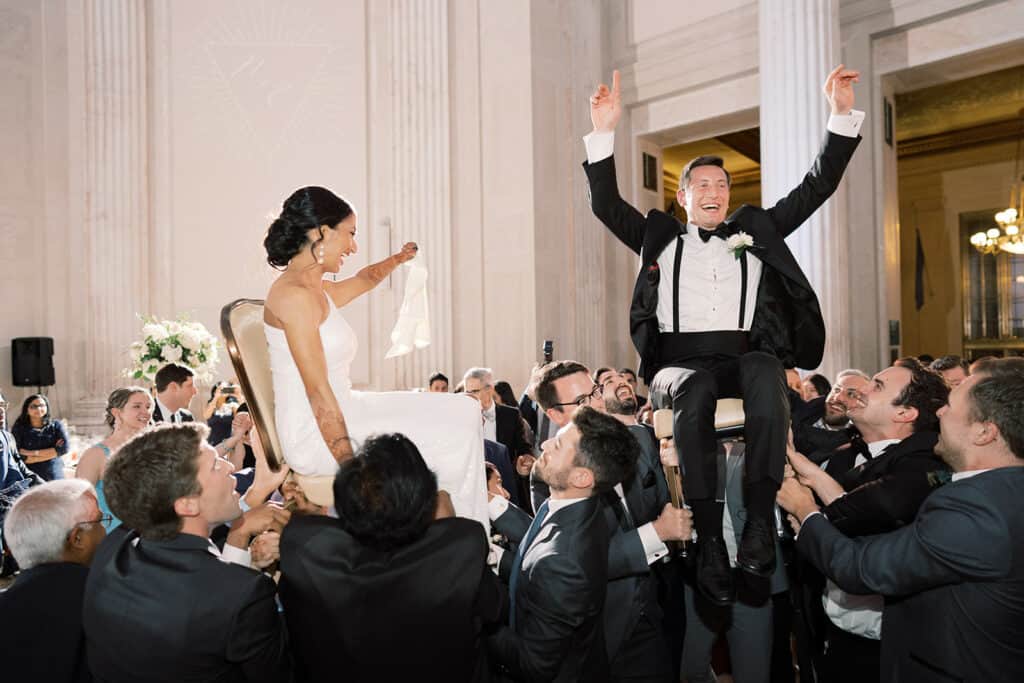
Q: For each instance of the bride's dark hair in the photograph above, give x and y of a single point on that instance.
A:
(307, 208)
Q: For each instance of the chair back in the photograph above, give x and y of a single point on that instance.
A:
(241, 323)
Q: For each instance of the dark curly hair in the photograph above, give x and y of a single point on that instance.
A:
(386, 496)
(606, 448)
(306, 209)
(150, 472)
(927, 391)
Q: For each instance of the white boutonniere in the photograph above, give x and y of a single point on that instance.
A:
(739, 243)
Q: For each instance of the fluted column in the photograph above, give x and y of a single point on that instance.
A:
(422, 166)
(115, 189)
(799, 45)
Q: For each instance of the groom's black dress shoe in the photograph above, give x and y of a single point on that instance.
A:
(756, 553)
(714, 575)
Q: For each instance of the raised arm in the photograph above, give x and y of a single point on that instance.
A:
(828, 168)
(300, 317)
(369, 277)
(619, 216)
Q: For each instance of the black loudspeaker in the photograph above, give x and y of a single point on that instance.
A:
(32, 361)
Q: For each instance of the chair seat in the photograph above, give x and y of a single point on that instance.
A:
(729, 419)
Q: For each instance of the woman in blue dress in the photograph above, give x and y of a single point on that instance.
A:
(129, 410)
(41, 439)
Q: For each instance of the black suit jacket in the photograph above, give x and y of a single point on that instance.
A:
(158, 415)
(885, 492)
(559, 597)
(358, 614)
(172, 611)
(959, 571)
(508, 430)
(632, 587)
(42, 637)
(787, 321)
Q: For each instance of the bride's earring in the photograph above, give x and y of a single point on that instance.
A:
(320, 255)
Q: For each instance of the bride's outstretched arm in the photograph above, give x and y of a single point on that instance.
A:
(300, 318)
(369, 277)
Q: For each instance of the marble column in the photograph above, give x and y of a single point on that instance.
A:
(114, 188)
(421, 169)
(799, 46)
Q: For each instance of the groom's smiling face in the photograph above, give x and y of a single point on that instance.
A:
(706, 198)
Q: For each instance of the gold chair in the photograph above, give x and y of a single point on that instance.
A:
(241, 323)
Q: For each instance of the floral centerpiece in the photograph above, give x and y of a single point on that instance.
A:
(173, 341)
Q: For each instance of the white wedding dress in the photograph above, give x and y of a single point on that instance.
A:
(446, 428)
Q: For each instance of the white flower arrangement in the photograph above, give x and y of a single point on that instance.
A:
(173, 341)
(739, 243)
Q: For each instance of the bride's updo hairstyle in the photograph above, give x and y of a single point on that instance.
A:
(307, 209)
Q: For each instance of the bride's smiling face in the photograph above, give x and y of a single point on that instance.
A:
(339, 243)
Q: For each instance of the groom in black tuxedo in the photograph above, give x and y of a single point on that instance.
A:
(720, 307)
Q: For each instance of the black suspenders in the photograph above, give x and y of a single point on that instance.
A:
(675, 286)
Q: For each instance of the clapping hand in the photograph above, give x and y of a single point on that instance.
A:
(839, 89)
(606, 105)
(408, 252)
(265, 549)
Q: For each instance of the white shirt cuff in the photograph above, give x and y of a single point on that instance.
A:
(494, 557)
(496, 507)
(243, 504)
(236, 555)
(654, 547)
(600, 145)
(848, 124)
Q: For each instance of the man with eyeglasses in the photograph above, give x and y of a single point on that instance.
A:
(639, 518)
(822, 425)
(53, 532)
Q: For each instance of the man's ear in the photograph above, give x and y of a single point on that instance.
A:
(187, 506)
(906, 414)
(681, 199)
(581, 477)
(988, 433)
(76, 538)
(554, 414)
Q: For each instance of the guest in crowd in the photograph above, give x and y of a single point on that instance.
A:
(558, 576)
(438, 383)
(496, 454)
(220, 409)
(495, 486)
(129, 411)
(502, 424)
(395, 556)
(15, 479)
(820, 425)
(958, 569)
(504, 395)
(874, 490)
(630, 376)
(953, 368)
(162, 603)
(814, 386)
(53, 532)
(41, 439)
(638, 519)
(175, 387)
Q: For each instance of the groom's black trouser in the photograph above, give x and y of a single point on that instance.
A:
(691, 387)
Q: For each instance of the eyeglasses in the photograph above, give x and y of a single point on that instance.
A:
(582, 400)
(105, 520)
(486, 387)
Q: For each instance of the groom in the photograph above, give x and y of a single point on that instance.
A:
(719, 308)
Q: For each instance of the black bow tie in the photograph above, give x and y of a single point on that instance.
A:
(721, 232)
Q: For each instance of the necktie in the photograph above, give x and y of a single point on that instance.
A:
(517, 563)
(722, 231)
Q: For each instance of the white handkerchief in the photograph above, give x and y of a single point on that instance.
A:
(412, 329)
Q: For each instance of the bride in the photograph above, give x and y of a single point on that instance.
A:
(320, 420)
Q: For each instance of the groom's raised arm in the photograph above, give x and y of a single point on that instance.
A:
(841, 140)
(622, 219)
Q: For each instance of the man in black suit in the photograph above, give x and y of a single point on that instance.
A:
(162, 603)
(397, 588)
(558, 575)
(955, 576)
(53, 531)
(638, 519)
(873, 487)
(723, 317)
(503, 424)
(175, 387)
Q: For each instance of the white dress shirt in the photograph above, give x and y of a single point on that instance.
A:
(709, 295)
(490, 423)
(169, 415)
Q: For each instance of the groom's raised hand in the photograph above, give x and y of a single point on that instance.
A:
(839, 89)
(606, 105)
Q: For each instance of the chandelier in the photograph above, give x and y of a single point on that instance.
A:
(1007, 236)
